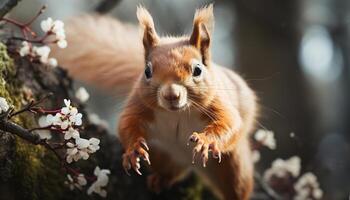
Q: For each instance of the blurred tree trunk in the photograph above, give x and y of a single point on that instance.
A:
(267, 42)
(338, 187)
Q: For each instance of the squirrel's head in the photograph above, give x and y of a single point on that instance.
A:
(177, 71)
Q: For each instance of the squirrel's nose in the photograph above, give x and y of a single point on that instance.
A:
(172, 96)
(172, 92)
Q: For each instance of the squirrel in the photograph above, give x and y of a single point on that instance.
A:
(183, 112)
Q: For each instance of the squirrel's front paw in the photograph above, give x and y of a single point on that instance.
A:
(131, 158)
(204, 144)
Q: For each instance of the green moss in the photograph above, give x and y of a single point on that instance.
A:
(8, 85)
(37, 172)
(31, 165)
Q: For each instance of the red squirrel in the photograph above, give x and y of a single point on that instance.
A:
(183, 113)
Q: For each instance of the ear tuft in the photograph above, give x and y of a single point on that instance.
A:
(203, 25)
(145, 19)
(150, 36)
(205, 16)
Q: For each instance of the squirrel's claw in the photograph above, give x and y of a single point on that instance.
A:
(144, 144)
(203, 145)
(215, 151)
(131, 158)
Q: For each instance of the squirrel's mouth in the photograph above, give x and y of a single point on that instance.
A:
(176, 108)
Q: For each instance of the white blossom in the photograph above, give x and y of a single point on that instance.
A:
(64, 125)
(46, 25)
(53, 119)
(67, 117)
(58, 29)
(78, 182)
(4, 106)
(93, 145)
(65, 110)
(52, 62)
(43, 122)
(266, 138)
(82, 94)
(82, 143)
(71, 133)
(307, 187)
(44, 134)
(74, 153)
(81, 149)
(25, 49)
(62, 44)
(90, 146)
(81, 180)
(58, 120)
(256, 156)
(283, 168)
(60, 34)
(101, 181)
(70, 182)
(76, 119)
(57, 26)
(43, 53)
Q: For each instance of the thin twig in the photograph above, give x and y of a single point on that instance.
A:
(29, 107)
(37, 41)
(42, 9)
(52, 149)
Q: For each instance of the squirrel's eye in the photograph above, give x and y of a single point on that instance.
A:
(197, 71)
(148, 71)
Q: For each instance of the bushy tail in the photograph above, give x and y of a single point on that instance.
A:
(102, 52)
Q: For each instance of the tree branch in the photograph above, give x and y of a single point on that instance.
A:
(14, 128)
(6, 6)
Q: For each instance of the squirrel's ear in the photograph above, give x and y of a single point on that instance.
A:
(150, 36)
(203, 25)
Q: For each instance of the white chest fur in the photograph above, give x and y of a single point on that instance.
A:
(170, 132)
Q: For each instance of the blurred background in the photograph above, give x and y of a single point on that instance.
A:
(294, 53)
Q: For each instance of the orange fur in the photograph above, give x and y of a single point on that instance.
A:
(102, 51)
(219, 113)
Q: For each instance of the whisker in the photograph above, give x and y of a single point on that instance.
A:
(133, 102)
(203, 109)
(265, 78)
(210, 87)
(260, 124)
(273, 110)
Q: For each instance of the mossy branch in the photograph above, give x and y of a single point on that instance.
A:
(16, 129)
